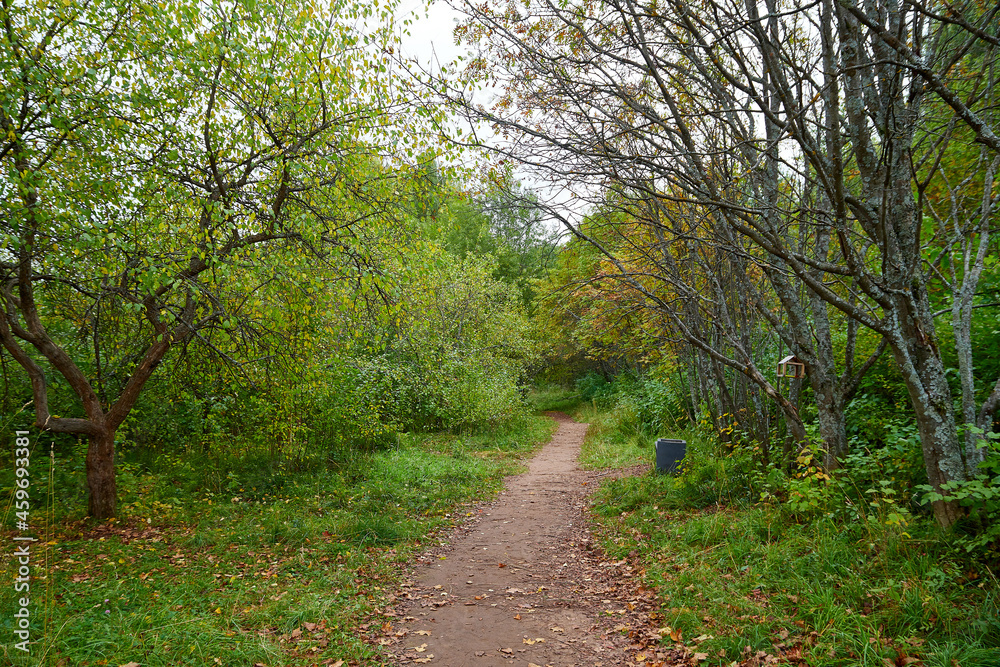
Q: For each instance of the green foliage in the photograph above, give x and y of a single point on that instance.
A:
(979, 532)
(454, 349)
(594, 386)
(502, 222)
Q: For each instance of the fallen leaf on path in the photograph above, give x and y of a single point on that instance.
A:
(502, 565)
(557, 629)
(424, 632)
(508, 651)
(517, 617)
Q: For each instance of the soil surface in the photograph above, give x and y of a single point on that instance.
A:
(523, 584)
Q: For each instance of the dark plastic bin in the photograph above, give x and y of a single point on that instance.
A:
(669, 454)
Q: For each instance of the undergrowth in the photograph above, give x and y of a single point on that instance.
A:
(247, 561)
(751, 562)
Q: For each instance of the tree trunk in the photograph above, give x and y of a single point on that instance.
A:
(930, 396)
(831, 422)
(990, 406)
(103, 503)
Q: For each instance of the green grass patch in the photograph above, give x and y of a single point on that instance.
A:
(736, 576)
(552, 397)
(280, 567)
(616, 439)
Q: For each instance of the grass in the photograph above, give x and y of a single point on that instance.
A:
(282, 568)
(610, 442)
(739, 579)
(554, 397)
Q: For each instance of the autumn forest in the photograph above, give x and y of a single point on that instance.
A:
(283, 307)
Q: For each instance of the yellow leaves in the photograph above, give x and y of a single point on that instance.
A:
(675, 635)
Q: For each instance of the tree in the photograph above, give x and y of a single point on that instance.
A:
(160, 162)
(793, 128)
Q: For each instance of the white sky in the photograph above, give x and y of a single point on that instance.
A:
(431, 37)
(432, 42)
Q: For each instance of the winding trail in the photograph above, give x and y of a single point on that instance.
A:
(522, 585)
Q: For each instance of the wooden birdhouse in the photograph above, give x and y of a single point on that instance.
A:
(791, 367)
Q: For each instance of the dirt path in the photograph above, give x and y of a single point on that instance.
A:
(521, 585)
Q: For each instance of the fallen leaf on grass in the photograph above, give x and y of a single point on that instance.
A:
(130, 664)
(701, 657)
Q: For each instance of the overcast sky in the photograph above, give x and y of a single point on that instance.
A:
(431, 40)
(430, 36)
